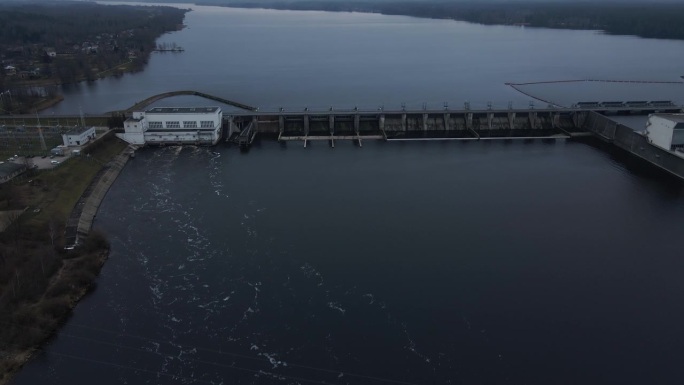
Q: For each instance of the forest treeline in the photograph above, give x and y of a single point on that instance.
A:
(66, 23)
(65, 42)
(644, 19)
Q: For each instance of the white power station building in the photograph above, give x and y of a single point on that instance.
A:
(666, 131)
(174, 125)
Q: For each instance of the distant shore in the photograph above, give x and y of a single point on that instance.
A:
(659, 20)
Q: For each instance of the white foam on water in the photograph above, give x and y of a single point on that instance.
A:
(272, 375)
(336, 306)
(411, 346)
(272, 359)
(156, 291)
(208, 304)
(310, 272)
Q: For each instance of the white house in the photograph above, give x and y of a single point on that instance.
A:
(78, 136)
(164, 125)
(666, 131)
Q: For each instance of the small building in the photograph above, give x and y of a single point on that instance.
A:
(50, 52)
(134, 129)
(10, 70)
(666, 131)
(164, 125)
(78, 136)
(9, 170)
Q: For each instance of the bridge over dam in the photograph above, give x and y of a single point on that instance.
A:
(140, 106)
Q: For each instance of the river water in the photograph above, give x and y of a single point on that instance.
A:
(289, 59)
(392, 263)
(487, 263)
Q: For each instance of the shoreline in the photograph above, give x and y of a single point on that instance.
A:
(73, 279)
(484, 14)
(23, 356)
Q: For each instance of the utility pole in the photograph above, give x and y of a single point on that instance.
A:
(43, 146)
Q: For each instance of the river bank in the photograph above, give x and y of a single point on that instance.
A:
(34, 308)
(34, 325)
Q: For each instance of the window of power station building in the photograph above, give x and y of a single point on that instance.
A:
(156, 125)
(172, 124)
(207, 124)
(188, 124)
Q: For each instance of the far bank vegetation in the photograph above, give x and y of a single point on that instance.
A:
(639, 17)
(46, 44)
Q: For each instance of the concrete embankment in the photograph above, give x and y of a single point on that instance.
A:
(81, 220)
(100, 189)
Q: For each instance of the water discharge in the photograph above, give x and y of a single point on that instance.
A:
(416, 263)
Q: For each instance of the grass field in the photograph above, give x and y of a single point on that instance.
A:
(56, 191)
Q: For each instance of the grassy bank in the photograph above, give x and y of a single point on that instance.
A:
(40, 282)
(55, 192)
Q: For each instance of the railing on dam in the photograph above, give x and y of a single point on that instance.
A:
(616, 108)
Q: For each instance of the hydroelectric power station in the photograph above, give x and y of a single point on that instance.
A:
(209, 125)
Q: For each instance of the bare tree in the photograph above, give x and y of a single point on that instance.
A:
(52, 232)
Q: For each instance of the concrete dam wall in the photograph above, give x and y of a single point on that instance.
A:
(390, 125)
(634, 142)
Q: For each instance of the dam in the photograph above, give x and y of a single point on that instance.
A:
(244, 123)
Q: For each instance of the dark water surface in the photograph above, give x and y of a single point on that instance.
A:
(421, 263)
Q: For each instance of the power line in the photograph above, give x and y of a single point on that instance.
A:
(250, 357)
(261, 360)
(200, 361)
(137, 369)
